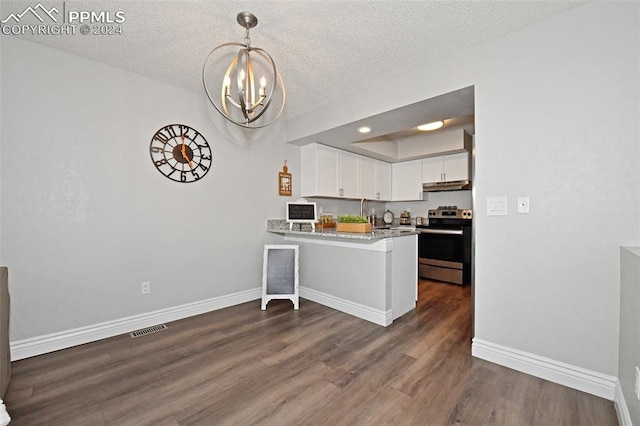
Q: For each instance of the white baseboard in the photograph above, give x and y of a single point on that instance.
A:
(357, 310)
(584, 380)
(624, 417)
(65, 339)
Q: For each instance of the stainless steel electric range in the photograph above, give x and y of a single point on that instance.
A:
(444, 245)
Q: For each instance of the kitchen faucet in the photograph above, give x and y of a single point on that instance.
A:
(364, 204)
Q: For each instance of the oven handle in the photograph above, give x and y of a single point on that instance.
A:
(442, 231)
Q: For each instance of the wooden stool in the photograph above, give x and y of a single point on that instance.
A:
(280, 274)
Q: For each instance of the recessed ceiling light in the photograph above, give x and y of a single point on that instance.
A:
(364, 129)
(431, 126)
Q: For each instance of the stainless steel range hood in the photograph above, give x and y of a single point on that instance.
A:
(456, 185)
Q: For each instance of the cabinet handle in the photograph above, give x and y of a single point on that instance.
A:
(378, 195)
(445, 175)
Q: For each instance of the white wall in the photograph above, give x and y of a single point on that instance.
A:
(557, 110)
(629, 328)
(86, 217)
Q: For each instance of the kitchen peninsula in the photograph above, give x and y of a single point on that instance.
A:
(373, 276)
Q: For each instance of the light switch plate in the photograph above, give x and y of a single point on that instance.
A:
(496, 206)
(523, 205)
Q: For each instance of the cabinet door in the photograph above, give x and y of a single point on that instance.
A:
(383, 187)
(348, 174)
(406, 181)
(432, 169)
(456, 166)
(326, 171)
(367, 177)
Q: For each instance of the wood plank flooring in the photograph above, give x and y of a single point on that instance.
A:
(315, 366)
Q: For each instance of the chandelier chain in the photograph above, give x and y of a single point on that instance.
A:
(247, 40)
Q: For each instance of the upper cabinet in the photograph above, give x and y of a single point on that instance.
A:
(383, 188)
(319, 171)
(446, 168)
(406, 181)
(348, 175)
(375, 179)
(330, 172)
(368, 174)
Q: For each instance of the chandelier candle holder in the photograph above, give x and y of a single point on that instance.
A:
(251, 91)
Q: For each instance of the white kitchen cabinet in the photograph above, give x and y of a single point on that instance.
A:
(319, 171)
(375, 179)
(348, 174)
(446, 168)
(367, 177)
(331, 172)
(406, 181)
(383, 182)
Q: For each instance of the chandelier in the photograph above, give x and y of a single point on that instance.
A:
(251, 91)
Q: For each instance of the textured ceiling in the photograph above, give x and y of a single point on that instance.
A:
(323, 49)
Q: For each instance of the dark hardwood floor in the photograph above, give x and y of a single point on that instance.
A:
(315, 366)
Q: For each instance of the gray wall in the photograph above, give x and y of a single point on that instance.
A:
(86, 217)
(557, 106)
(629, 327)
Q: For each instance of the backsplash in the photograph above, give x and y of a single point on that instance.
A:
(462, 199)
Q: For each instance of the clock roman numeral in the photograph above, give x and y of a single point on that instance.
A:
(161, 137)
(171, 131)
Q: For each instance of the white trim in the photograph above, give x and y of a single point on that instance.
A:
(624, 417)
(65, 339)
(382, 245)
(348, 307)
(584, 380)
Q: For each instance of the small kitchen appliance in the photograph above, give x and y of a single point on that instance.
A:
(405, 218)
(444, 245)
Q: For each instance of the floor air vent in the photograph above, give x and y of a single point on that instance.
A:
(148, 330)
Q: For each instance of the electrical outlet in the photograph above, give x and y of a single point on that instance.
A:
(145, 287)
(636, 388)
(523, 205)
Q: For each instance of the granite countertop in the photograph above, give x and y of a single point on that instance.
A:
(280, 226)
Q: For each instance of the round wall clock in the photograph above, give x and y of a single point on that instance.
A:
(180, 153)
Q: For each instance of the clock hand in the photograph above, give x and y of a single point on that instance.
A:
(184, 151)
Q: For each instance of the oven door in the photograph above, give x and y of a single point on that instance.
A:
(441, 244)
(442, 255)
